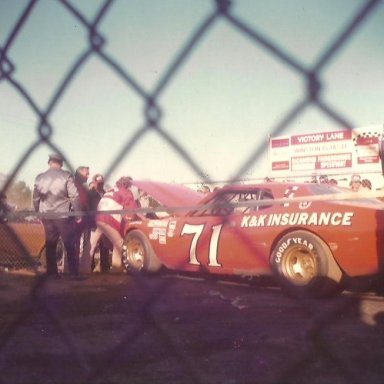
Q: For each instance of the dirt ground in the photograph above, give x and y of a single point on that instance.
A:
(117, 329)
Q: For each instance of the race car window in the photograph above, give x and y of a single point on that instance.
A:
(147, 201)
(222, 205)
(239, 202)
(252, 201)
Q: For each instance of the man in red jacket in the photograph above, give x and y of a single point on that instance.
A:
(110, 224)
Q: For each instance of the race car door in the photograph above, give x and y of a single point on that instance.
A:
(214, 240)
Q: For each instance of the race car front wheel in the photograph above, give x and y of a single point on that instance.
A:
(304, 265)
(138, 255)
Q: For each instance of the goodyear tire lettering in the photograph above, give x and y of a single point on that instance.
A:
(304, 264)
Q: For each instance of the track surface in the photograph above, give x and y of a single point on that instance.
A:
(177, 329)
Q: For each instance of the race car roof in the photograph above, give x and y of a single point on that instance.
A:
(170, 195)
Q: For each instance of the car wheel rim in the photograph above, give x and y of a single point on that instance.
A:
(135, 254)
(300, 265)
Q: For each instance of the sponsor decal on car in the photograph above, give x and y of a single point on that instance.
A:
(304, 204)
(158, 223)
(159, 230)
(158, 234)
(298, 218)
(171, 228)
(289, 193)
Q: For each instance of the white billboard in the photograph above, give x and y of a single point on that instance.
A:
(335, 152)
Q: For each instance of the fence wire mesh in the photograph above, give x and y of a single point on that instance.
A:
(119, 356)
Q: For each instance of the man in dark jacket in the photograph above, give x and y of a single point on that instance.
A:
(83, 229)
(55, 195)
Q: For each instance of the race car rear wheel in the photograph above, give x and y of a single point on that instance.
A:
(305, 266)
(138, 254)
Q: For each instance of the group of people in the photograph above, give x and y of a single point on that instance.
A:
(70, 209)
(356, 184)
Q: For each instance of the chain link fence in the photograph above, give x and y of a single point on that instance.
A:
(87, 371)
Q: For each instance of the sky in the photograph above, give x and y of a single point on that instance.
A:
(220, 106)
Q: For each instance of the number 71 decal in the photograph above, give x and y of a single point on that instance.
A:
(196, 231)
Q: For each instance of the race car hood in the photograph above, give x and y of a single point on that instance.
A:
(170, 195)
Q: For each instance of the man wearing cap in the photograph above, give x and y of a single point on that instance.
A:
(55, 195)
(355, 183)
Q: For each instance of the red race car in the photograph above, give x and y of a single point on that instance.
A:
(311, 237)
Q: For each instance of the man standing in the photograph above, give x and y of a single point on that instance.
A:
(96, 192)
(110, 224)
(55, 193)
(355, 183)
(83, 228)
